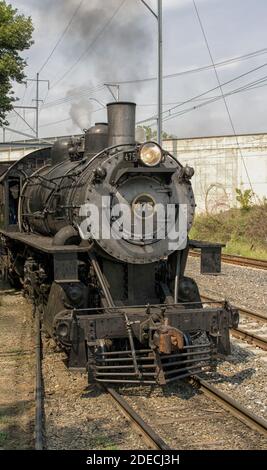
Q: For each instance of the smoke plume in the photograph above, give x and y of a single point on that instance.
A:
(80, 113)
(113, 36)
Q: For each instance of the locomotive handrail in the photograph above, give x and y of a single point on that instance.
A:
(22, 195)
(166, 306)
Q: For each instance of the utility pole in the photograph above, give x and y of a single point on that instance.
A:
(160, 75)
(37, 100)
(160, 64)
(36, 108)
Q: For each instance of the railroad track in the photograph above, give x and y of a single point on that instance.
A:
(39, 417)
(242, 310)
(236, 409)
(259, 341)
(241, 333)
(144, 430)
(238, 260)
(215, 396)
(150, 437)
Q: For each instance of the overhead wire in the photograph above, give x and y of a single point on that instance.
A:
(183, 72)
(92, 43)
(24, 120)
(72, 96)
(85, 92)
(62, 35)
(27, 95)
(253, 85)
(21, 103)
(222, 93)
(203, 103)
(64, 32)
(65, 120)
(204, 68)
(255, 69)
(247, 87)
(193, 98)
(250, 86)
(52, 123)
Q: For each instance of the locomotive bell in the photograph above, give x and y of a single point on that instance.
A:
(121, 123)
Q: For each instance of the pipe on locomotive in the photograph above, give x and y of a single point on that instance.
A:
(121, 123)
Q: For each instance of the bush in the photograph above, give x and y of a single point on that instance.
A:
(244, 198)
(244, 231)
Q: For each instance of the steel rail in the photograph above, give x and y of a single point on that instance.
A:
(9, 292)
(249, 337)
(150, 437)
(38, 386)
(242, 310)
(237, 260)
(240, 333)
(239, 411)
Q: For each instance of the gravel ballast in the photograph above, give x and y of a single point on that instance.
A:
(78, 416)
(245, 287)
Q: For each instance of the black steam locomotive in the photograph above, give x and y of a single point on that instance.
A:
(119, 302)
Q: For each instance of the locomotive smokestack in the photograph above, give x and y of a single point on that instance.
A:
(121, 123)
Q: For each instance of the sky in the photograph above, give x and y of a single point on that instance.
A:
(79, 46)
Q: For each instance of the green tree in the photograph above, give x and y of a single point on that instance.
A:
(152, 135)
(244, 198)
(15, 37)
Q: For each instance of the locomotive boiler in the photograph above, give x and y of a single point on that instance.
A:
(95, 231)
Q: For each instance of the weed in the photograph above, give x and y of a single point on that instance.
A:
(244, 198)
(3, 438)
(242, 231)
(103, 442)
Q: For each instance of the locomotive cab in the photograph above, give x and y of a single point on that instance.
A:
(9, 203)
(13, 189)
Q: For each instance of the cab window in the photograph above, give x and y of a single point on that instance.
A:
(13, 198)
(2, 207)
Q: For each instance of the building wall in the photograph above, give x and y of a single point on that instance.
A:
(221, 165)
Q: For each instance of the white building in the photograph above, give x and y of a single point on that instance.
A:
(221, 165)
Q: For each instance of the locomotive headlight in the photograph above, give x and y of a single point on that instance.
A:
(150, 154)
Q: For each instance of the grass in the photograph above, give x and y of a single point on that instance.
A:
(111, 447)
(15, 351)
(244, 232)
(244, 249)
(3, 438)
(104, 443)
(2, 415)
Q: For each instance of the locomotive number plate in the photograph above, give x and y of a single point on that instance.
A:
(130, 156)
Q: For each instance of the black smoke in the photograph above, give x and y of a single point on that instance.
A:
(123, 48)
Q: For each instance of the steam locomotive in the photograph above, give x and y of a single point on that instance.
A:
(111, 292)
